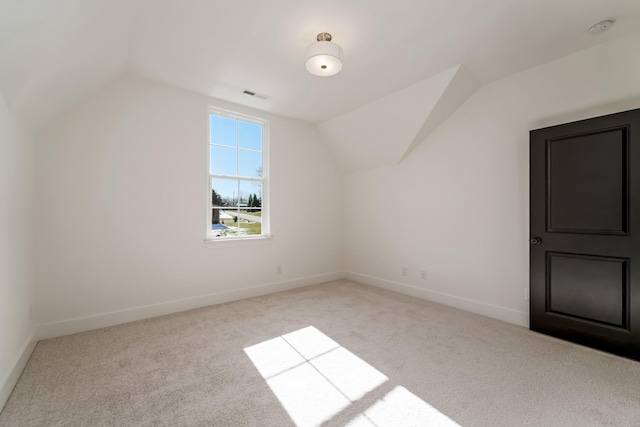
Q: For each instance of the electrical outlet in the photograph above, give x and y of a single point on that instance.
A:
(279, 269)
(526, 293)
(405, 272)
(423, 275)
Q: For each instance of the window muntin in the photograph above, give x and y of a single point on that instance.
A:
(237, 178)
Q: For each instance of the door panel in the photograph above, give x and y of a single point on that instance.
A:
(588, 183)
(588, 288)
(585, 211)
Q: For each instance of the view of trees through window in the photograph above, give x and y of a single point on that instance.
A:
(237, 181)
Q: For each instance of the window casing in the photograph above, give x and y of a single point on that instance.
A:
(238, 177)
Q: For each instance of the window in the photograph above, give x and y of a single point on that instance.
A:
(237, 177)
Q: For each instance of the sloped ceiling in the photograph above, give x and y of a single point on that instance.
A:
(384, 131)
(55, 52)
(52, 53)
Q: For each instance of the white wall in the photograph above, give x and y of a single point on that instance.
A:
(122, 191)
(458, 205)
(16, 284)
(121, 184)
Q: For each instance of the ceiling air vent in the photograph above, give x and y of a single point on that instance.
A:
(254, 94)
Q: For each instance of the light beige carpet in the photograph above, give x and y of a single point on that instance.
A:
(339, 353)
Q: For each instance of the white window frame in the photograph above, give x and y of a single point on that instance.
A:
(266, 236)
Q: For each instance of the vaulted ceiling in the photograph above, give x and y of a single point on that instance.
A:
(55, 52)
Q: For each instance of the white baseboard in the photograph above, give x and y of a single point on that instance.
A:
(82, 324)
(8, 382)
(71, 326)
(494, 311)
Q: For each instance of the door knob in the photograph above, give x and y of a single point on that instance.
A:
(535, 241)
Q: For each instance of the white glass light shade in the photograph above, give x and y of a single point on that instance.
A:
(323, 58)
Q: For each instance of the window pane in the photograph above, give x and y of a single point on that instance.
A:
(227, 223)
(251, 194)
(224, 161)
(249, 225)
(250, 207)
(225, 191)
(250, 164)
(250, 136)
(223, 130)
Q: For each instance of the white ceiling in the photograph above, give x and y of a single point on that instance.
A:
(54, 52)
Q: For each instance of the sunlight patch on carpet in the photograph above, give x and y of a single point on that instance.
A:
(400, 407)
(315, 378)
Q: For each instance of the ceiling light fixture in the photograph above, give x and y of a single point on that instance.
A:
(601, 27)
(323, 58)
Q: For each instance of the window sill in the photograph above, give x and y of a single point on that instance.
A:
(222, 242)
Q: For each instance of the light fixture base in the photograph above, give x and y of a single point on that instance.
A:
(324, 37)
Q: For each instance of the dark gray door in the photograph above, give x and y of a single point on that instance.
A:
(585, 232)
